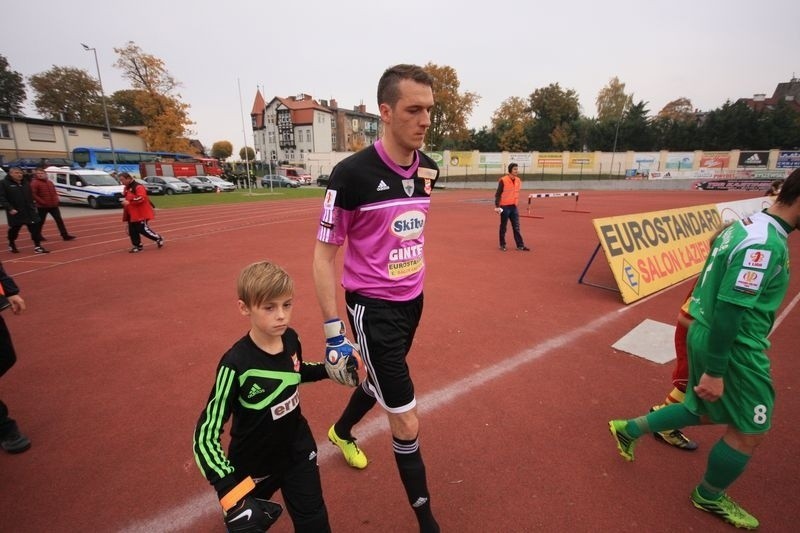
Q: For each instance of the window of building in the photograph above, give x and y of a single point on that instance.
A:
(40, 132)
(72, 131)
(105, 135)
(308, 135)
(5, 130)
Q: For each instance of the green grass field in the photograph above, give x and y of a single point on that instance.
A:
(235, 197)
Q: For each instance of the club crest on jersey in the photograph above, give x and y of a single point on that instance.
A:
(408, 186)
(756, 258)
(428, 187)
(748, 281)
(295, 362)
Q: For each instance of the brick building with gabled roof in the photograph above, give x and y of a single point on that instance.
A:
(288, 129)
(788, 92)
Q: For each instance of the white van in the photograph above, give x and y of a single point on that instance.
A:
(94, 188)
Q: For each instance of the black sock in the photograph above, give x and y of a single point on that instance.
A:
(412, 474)
(359, 405)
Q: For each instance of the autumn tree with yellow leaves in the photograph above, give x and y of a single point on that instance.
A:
(451, 109)
(165, 116)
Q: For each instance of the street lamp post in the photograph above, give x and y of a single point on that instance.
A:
(616, 135)
(105, 109)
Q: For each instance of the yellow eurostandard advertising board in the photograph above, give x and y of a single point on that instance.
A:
(648, 252)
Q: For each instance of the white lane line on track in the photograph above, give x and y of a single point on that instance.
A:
(784, 313)
(205, 504)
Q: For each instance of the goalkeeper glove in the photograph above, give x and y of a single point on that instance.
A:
(245, 513)
(341, 358)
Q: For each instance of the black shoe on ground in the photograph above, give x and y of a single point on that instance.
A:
(40, 250)
(13, 249)
(136, 249)
(68, 237)
(160, 242)
(15, 442)
(502, 248)
(523, 249)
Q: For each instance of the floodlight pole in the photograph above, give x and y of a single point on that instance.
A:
(105, 109)
(616, 135)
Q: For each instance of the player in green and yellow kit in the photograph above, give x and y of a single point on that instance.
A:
(743, 282)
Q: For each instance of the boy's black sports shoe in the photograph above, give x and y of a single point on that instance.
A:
(523, 249)
(15, 442)
(13, 249)
(40, 250)
(160, 242)
(136, 249)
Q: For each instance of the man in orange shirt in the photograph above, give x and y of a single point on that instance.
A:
(505, 204)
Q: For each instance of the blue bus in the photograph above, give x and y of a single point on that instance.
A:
(127, 160)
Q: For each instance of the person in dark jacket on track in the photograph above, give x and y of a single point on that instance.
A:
(46, 199)
(11, 440)
(17, 199)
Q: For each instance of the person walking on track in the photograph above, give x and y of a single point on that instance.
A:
(46, 199)
(377, 200)
(138, 212)
(733, 306)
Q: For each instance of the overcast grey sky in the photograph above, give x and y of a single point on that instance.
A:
(708, 50)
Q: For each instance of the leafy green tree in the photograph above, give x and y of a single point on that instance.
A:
(484, 140)
(247, 153)
(732, 126)
(552, 107)
(12, 89)
(68, 93)
(451, 110)
(635, 132)
(122, 109)
(780, 127)
(166, 118)
(222, 150)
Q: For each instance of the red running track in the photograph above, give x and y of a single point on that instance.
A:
(515, 375)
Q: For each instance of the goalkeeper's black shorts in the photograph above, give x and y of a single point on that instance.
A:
(384, 331)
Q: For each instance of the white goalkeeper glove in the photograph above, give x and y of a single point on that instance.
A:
(341, 357)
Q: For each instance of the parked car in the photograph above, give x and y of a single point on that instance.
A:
(171, 185)
(273, 180)
(94, 188)
(219, 183)
(152, 188)
(322, 180)
(196, 184)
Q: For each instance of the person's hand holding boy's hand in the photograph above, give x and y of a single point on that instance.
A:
(341, 357)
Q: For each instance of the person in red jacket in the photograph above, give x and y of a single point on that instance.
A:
(138, 211)
(46, 199)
